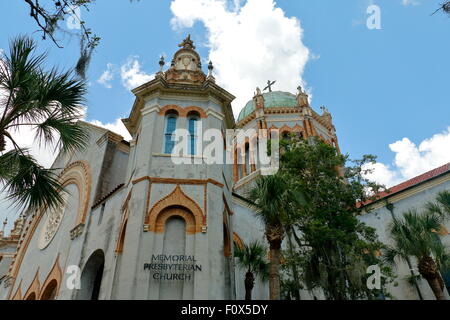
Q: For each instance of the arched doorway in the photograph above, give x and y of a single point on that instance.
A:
(49, 292)
(91, 277)
(174, 245)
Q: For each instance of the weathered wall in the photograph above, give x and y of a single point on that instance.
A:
(381, 219)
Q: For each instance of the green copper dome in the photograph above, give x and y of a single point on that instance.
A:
(275, 99)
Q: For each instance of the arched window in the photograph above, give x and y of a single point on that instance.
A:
(91, 277)
(171, 126)
(193, 119)
(247, 159)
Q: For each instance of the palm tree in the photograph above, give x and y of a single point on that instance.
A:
(252, 258)
(416, 235)
(48, 104)
(269, 197)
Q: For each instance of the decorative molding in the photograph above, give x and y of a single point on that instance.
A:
(238, 241)
(156, 217)
(54, 274)
(54, 219)
(179, 181)
(18, 294)
(77, 231)
(34, 287)
(218, 115)
(150, 109)
(123, 225)
(182, 112)
(78, 173)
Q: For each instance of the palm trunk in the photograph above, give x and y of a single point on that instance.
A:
(435, 285)
(274, 235)
(428, 269)
(274, 274)
(249, 284)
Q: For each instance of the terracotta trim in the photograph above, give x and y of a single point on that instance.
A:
(176, 199)
(18, 294)
(238, 241)
(178, 181)
(54, 274)
(34, 287)
(182, 112)
(83, 180)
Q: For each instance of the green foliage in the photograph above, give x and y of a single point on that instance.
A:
(416, 233)
(333, 249)
(49, 103)
(252, 258)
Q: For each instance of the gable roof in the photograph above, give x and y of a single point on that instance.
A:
(427, 176)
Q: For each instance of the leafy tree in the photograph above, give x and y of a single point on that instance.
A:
(334, 249)
(415, 235)
(47, 102)
(252, 258)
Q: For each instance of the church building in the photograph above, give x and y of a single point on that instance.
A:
(137, 226)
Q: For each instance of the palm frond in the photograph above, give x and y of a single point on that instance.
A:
(268, 195)
(443, 198)
(71, 135)
(30, 185)
(252, 258)
(48, 102)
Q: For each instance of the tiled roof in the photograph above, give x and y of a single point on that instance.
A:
(413, 182)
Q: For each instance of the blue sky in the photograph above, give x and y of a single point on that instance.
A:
(387, 89)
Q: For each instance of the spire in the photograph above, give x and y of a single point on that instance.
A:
(2, 233)
(210, 70)
(161, 63)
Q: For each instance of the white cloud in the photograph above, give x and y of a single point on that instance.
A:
(249, 43)
(107, 76)
(116, 127)
(412, 160)
(132, 75)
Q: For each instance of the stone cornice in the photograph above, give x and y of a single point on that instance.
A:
(159, 87)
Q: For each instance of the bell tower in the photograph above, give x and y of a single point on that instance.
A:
(176, 231)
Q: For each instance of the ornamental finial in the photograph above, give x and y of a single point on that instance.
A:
(162, 63)
(187, 43)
